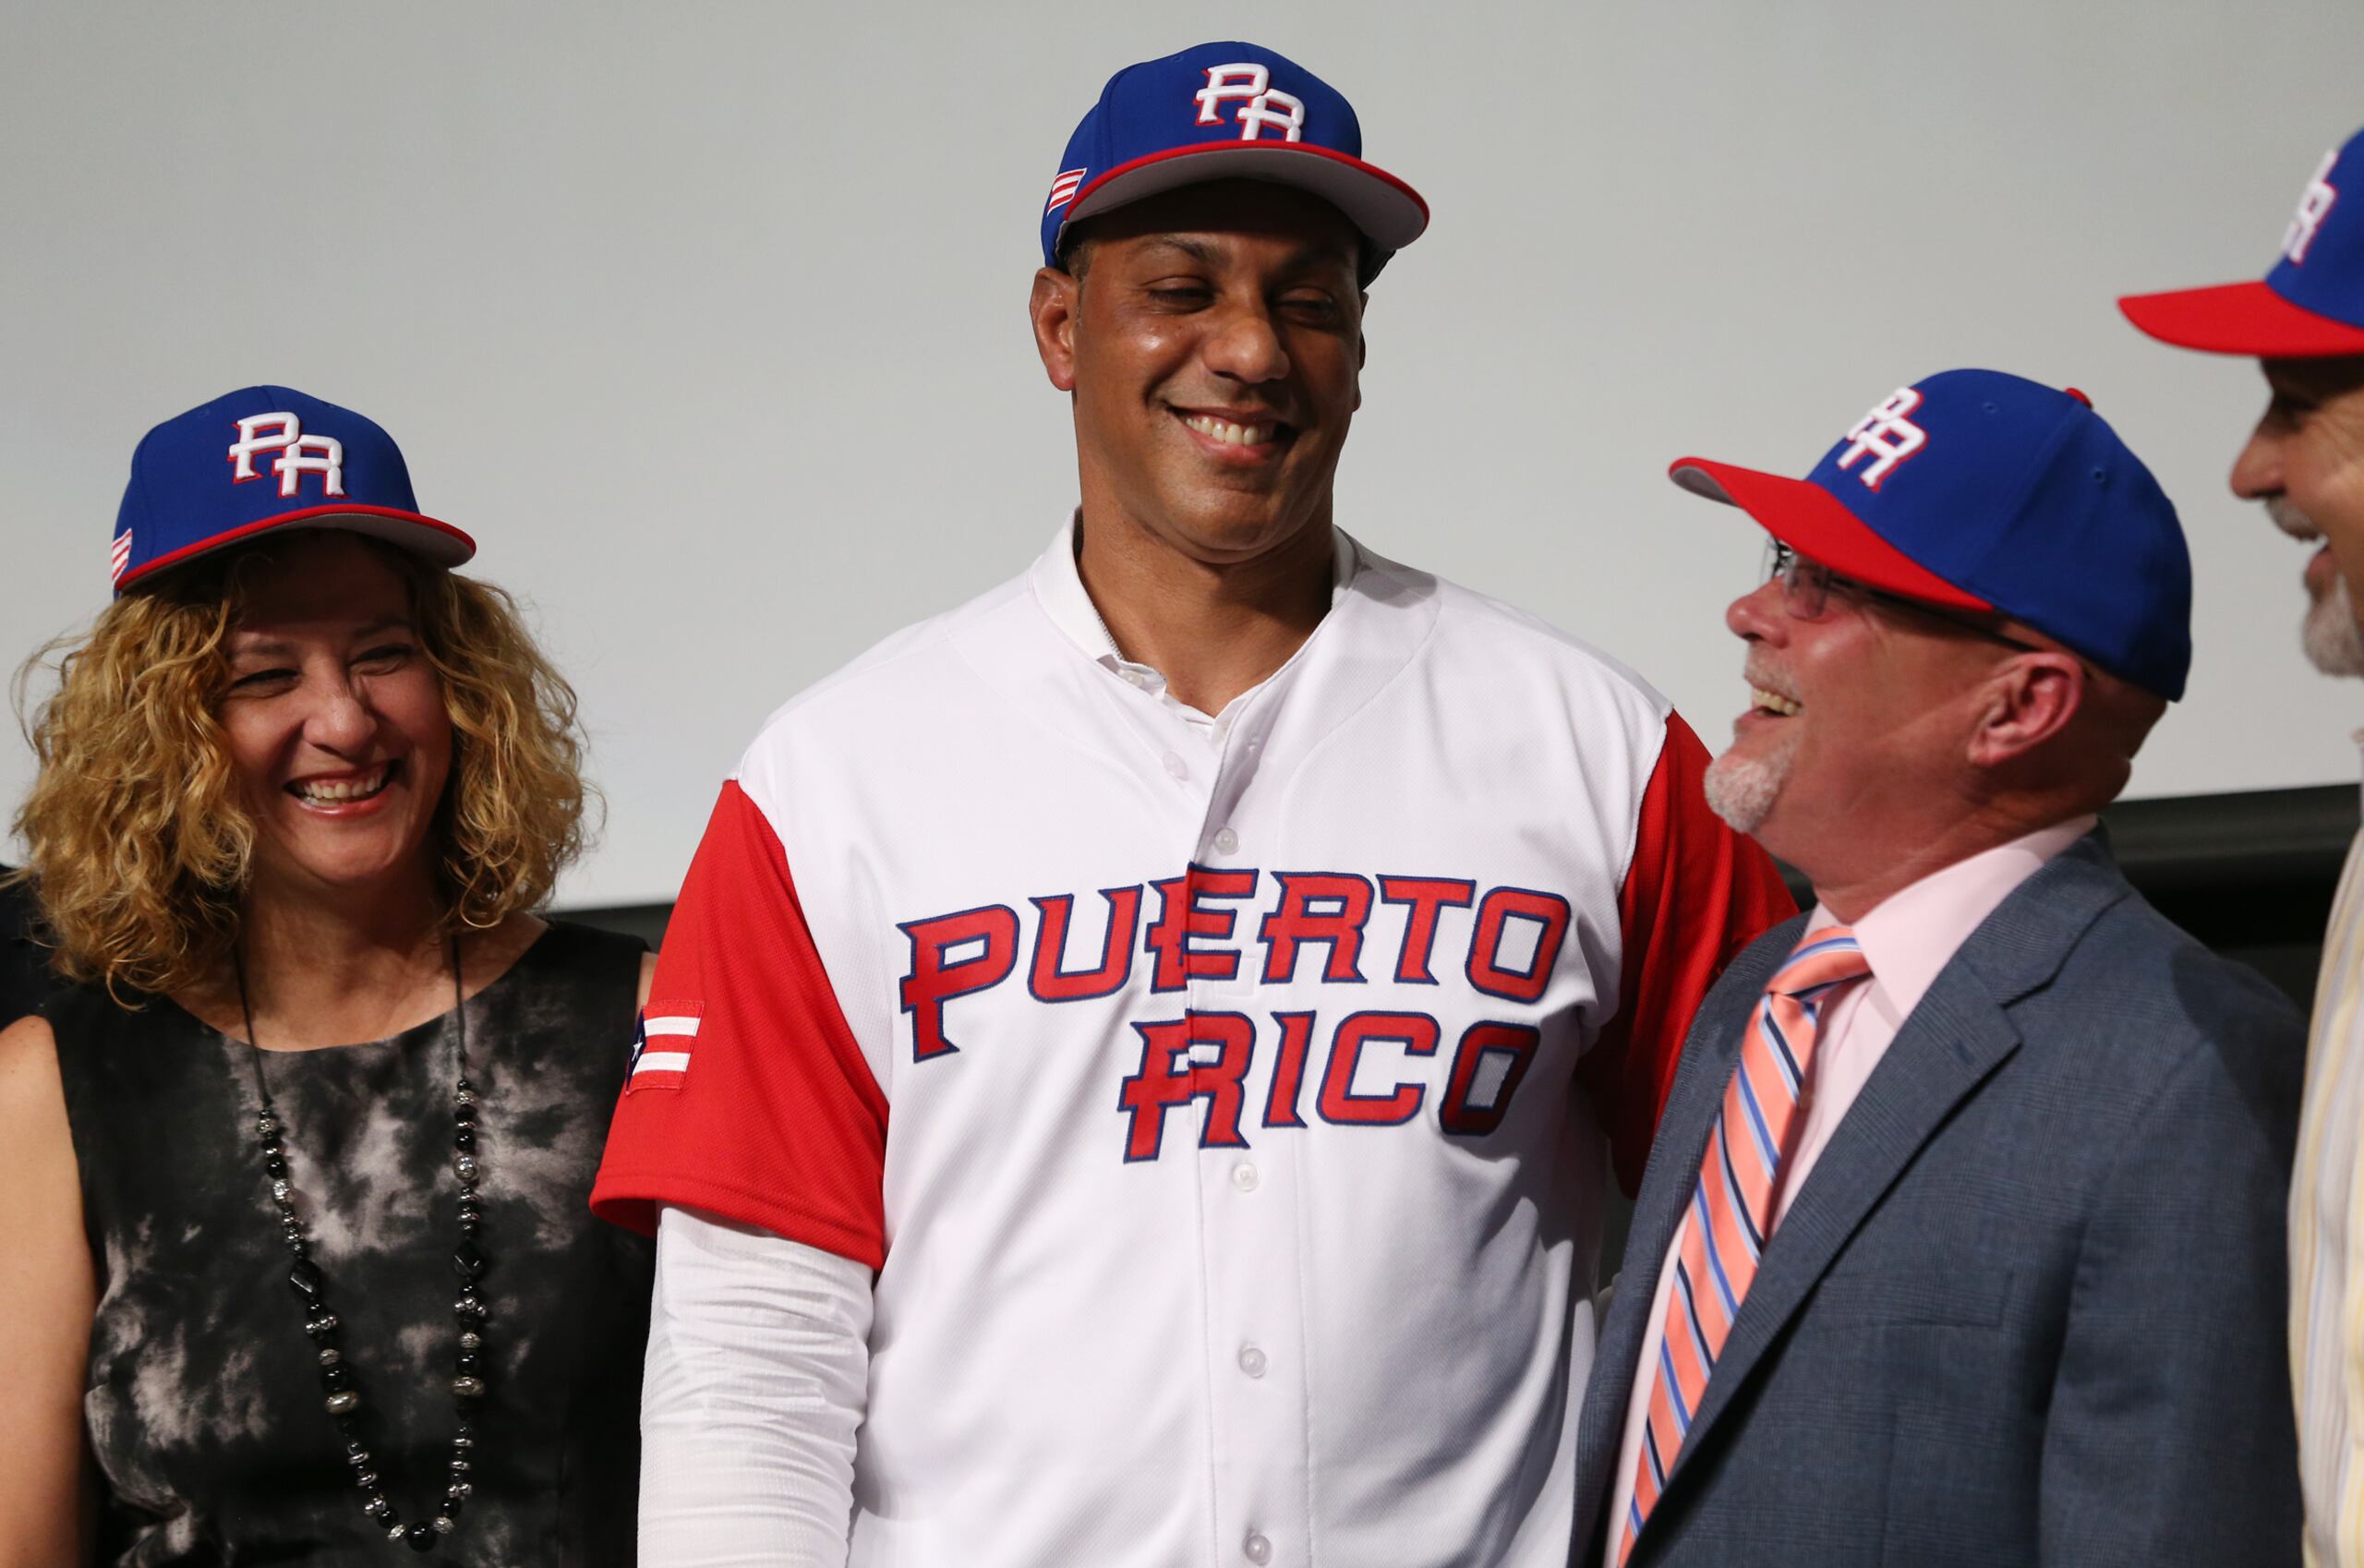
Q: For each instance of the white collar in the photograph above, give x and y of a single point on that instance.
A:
(1058, 586)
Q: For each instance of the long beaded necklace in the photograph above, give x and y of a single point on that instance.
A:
(320, 1324)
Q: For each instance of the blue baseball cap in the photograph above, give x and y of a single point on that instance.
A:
(1220, 112)
(1975, 490)
(264, 458)
(2311, 305)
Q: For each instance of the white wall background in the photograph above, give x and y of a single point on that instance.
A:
(708, 319)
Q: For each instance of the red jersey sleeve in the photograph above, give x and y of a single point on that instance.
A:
(748, 1096)
(1695, 894)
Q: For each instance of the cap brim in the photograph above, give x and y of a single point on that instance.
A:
(420, 535)
(1811, 521)
(1389, 213)
(2247, 319)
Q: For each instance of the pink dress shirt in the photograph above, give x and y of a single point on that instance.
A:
(1907, 939)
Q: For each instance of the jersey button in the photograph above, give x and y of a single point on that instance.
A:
(1173, 766)
(1227, 842)
(1244, 1176)
(1251, 1361)
(1256, 1549)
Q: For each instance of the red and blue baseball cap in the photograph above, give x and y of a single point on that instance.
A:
(263, 458)
(2311, 305)
(1976, 490)
(1220, 112)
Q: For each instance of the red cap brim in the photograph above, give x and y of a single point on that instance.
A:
(413, 531)
(2248, 319)
(1811, 521)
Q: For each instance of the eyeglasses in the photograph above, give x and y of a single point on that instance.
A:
(1806, 587)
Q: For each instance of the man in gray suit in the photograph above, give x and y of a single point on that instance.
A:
(1962, 1238)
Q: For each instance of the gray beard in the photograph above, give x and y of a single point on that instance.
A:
(2335, 643)
(1742, 789)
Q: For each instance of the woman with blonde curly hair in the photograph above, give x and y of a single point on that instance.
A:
(292, 1175)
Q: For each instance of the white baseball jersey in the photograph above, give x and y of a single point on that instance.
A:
(1226, 1107)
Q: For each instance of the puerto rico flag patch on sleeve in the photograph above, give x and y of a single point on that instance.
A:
(662, 1044)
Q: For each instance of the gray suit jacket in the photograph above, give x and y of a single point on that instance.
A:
(2028, 1307)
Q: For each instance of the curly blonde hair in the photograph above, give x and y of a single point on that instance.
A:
(139, 849)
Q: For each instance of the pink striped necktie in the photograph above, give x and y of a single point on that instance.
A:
(1731, 1215)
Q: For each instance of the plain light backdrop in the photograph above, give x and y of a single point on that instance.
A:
(709, 320)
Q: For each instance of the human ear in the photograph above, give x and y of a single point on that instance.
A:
(2027, 701)
(1053, 310)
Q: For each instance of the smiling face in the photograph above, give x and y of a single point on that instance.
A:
(1213, 344)
(1860, 721)
(335, 720)
(2306, 463)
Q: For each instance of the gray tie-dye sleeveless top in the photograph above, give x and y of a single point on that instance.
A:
(204, 1406)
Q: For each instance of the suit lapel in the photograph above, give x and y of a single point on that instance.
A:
(1959, 1033)
(1945, 1049)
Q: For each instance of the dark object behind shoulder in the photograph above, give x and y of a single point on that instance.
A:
(26, 979)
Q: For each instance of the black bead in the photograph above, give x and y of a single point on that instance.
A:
(468, 1363)
(275, 1166)
(305, 1280)
(464, 1087)
(466, 1261)
(421, 1538)
(450, 1508)
(463, 1138)
(470, 1228)
(337, 1380)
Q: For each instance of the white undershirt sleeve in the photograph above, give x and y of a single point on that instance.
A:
(758, 1362)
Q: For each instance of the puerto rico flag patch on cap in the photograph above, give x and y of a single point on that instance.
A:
(660, 1045)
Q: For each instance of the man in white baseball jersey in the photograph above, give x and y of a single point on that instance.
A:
(1133, 1070)
(2305, 322)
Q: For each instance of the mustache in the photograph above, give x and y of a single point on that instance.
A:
(1758, 671)
(2290, 519)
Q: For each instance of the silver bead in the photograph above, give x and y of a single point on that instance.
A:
(280, 1192)
(442, 1523)
(398, 1533)
(340, 1403)
(468, 1388)
(463, 1443)
(465, 1097)
(467, 1165)
(472, 1341)
(331, 1357)
(458, 1488)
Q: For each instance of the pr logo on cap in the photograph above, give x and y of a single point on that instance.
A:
(1886, 436)
(1253, 84)
(298, 453)
(2313, 207)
